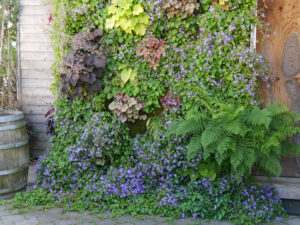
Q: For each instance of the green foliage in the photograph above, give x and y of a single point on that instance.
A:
(84, 65)
(221, 199)
(169, 61)
(241, 138)
(128, 16)
(9, 10)
(127, 108)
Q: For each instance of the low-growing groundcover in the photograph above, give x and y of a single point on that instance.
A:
(127, 70)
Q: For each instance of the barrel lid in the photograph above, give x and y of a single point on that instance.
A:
(10, 115)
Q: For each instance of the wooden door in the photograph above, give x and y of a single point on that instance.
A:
(281, 47)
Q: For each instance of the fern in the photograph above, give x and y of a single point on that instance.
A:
(154, 125)
(257, 117)
(194, 147)
(239, 138)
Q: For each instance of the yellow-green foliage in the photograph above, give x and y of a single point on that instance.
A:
(128, 16)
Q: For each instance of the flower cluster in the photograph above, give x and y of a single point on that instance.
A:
(98, 142)
(127, 108)
(155, 168)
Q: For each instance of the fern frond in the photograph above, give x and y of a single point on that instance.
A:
(257, 117)
(236, 159)
(173, 129)
(289, 149)
(271, 165)
(275, 109)
(212, 133)
(235, 127)
(154, 125)
(272, 142)
(194, 147)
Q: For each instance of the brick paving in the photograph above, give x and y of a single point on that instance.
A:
(57, 216)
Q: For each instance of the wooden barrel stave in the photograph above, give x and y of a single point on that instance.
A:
(14, 154)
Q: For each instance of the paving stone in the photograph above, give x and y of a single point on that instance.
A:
(7, 223)
(54, 211)
(46, 218)
(124, 219)
(66, 222)
(4, 212)
(145, 222)
(12, 218)
(220, 223)
(33, 214)
(89, 219)
(73, 215)
(107, 222)
(3, 207)
(31, 221)
(294, 221)
(159, 219)
(125, 224)
(187, 221)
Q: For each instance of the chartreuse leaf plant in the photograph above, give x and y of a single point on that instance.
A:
(128, 16)
(240, 138)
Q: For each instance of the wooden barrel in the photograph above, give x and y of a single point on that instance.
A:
(14, 153)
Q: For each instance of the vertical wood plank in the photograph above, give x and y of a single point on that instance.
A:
(35, 60)
(282, 49)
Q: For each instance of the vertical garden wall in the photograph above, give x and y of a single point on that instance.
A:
(159, 112)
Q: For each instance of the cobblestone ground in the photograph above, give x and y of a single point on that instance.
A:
(57, 216)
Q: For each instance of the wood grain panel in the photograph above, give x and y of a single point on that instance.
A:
(38, 128)
(282, 49)
(36, 74)
(32, 83)
(288, 188)
(36, 109)
(44, 38)
(33, 65)
(36, 92)
(34, 20)
(37, 56)
(36, 100)
(35, 29)
(36, 118)
(40, 137)
(32, 2)
(40, 144)
(32, 10)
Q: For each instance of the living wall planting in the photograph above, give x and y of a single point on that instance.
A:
(127, 70)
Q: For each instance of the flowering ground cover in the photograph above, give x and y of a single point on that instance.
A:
(159, 112)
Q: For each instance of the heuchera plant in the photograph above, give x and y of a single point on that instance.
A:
(128, 16)
(221, 3)
(84, 65)
(180, 8)
(152, 50)
(170, 101)
(127, 108)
